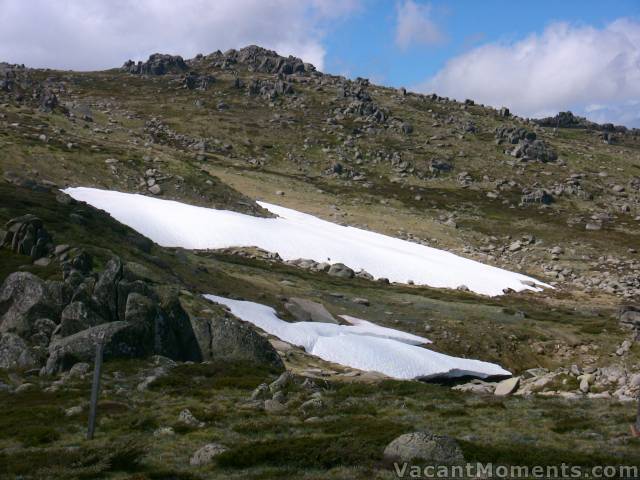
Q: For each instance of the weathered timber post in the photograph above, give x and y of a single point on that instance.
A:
(95, 389)
(635, 428)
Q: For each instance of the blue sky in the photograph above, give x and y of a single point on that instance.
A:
(536, 57)
(363, 44)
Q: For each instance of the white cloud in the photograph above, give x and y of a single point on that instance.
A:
(98, 34)
(414, 26)
(588, 70)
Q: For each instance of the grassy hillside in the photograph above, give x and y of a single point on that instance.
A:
(223, 132)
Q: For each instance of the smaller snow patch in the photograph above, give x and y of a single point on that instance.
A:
(362, 345)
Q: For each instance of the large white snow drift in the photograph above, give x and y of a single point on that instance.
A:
(362, 345)
(296, 235)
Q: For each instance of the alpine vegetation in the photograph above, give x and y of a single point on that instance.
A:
(235, 265)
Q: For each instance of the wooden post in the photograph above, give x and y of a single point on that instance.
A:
(635, 427)
(95, 389)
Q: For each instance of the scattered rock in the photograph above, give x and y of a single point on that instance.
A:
(593, 226)
(340, 270)
(205, 455)
(261, 392)
(476, 386)
(629, 316)
(312, 404)
(624, 348)
(536, 196)
(14, 353)
(163, 432)
(429, 447)
(146, 382)
(25, 387)
(507, 387)
(73, 411)
(187, 418)
(304, 310)
(438, 166)
(361, 301)
(80, 369)
(283, 381)
(273, 406)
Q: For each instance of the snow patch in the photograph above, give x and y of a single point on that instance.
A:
(296, 235)
(362, 345)
(374, 330)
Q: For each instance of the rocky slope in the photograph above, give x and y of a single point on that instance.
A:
(555, 198)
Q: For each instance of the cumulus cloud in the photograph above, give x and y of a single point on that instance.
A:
(415, 27)
(585, 69)
(98, 34)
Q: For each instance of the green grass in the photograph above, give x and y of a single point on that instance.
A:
(84, 462)
(571, 424)
(202, 378)
(357, 419)
(530, 455)
(356, 423)
(359, 443)
(33, 417)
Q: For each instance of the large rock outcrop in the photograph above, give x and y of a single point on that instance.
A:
(78, 316)
(254, 58)
(221, 336)
(25, 298)
(569, 120)
(26, 235)
(18, 83)
(157, 64)
(527, 145)
(126, 306)
(120, 340)
(105, 292)
(262, 60)
(236, 340)
(15, 353)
